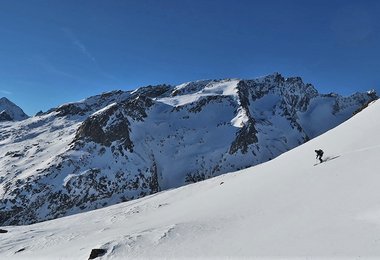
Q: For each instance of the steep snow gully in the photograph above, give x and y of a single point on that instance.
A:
(284, 208)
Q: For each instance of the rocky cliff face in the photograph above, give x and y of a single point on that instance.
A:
(120, 145)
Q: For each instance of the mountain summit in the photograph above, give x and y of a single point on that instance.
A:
(120, 145)
(10, 112)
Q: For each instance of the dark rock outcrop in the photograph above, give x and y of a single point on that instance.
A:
(93, 128)
(95, 253)
(5, 117)
(245, 137)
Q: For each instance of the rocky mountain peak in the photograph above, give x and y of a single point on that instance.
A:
(10, 111)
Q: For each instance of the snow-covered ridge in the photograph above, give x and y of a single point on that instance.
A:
(119, 146)
(191, 92)
(287, 208)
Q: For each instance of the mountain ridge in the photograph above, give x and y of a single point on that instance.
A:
(119, 146)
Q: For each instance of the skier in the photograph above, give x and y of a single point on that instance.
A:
(319, 155)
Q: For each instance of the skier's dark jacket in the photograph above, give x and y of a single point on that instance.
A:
(319, 153)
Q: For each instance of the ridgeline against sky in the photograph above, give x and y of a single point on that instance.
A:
(53, 52)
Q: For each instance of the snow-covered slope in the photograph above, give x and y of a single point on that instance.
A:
(10, 112)
(120, 145)
(285, 208)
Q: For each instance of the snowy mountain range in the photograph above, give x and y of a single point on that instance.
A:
(286, 208)
(10, 112)
(124, 145)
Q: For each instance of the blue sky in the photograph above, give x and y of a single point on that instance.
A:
(52, 52)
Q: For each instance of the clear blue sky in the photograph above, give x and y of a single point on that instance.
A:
(52, 52)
